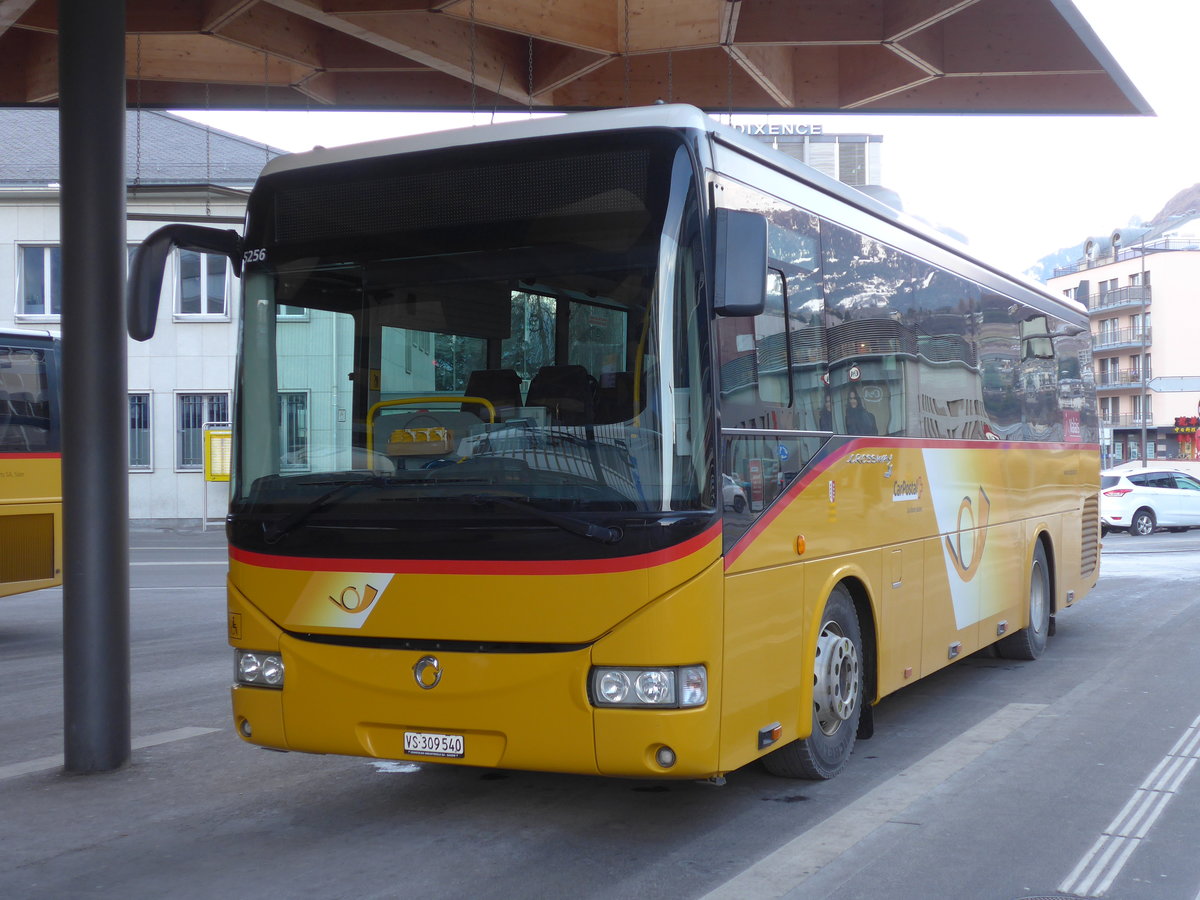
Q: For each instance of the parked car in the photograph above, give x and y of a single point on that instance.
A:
(1140, 501)
(733, 494)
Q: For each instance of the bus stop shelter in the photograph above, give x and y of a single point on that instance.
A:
(93, 59)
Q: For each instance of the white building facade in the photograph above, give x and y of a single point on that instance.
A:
(182, 379)
(853, 159)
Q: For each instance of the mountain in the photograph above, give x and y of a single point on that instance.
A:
(1186, 201)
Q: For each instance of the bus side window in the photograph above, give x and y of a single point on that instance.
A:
(867, 297)
(756, 390)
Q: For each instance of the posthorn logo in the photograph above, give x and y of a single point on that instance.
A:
(427, 672)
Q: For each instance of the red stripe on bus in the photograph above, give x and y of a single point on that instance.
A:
(31, 455)
(481, 567)
(862, 444)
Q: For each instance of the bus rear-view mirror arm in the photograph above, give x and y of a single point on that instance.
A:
(741, 263)
(146, 273)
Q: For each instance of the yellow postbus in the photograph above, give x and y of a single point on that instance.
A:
(617, 443)
(30, 462)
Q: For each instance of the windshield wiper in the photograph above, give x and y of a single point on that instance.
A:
(274, 531)
(602, 533)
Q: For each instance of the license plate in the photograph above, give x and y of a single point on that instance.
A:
(419, 743)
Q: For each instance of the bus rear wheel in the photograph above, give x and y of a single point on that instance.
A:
(837, 698)
(1030, 642)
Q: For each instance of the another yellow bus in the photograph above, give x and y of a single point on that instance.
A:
(617, 443)
(30, 462)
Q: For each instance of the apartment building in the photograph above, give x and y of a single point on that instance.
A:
(1142, 289)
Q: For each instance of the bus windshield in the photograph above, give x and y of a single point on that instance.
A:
(527, 362)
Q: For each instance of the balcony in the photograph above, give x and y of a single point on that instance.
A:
(1136, 295)
(1124, 253)
(1122, 338)
(1128, 420)
(1121, 378)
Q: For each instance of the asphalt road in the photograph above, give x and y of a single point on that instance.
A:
(1071, 775)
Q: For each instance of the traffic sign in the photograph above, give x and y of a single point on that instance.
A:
(1174, 383)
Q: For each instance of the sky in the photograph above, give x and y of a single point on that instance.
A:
(1018, 187)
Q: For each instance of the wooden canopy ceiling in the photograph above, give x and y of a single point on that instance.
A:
(1033, 56)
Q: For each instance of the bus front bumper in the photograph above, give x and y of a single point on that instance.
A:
(527, 711)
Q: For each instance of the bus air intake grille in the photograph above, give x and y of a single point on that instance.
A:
(518, 190)
(1090, 536)
(28, 542)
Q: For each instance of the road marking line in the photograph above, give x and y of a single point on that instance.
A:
(781, 871)
(56, 762)
(1098, 869)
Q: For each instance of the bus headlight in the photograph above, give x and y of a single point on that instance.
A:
(666, 688)
(261, 668)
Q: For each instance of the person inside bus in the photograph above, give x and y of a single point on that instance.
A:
(858, 419)
(825, 417)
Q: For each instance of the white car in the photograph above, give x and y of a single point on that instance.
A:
(1142, 500)
(733, 494)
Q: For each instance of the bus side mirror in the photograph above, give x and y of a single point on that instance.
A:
(741, 263)
(146, 272)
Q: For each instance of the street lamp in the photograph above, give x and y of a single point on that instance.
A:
(1144, 366)
(1142, 410)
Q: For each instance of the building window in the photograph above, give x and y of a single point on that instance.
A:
(1109, 373)
(293, 430)
(194, 412)
(40, 281)
(204, 280)
(852, 163)
(293, 313)
(1142, 410)
(139, 432)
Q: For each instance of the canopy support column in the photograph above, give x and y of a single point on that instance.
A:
(96, 693)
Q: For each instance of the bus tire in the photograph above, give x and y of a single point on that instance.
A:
(1030, 642)
(837, 697)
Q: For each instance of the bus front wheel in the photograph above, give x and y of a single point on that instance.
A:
(837, 697)
(1030, 642)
